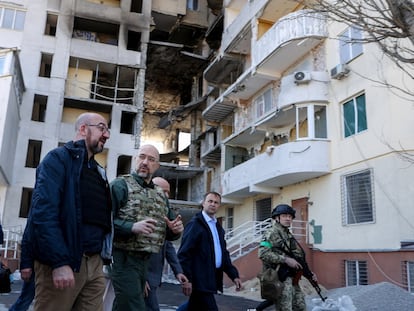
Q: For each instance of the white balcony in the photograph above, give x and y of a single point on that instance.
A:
(236, 37)
(288, 40)
(280, 166)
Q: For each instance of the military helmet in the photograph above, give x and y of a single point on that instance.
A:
(283, 209)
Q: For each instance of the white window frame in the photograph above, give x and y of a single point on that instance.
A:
(14, 25)
(354, 202)
(350, 45)
(356, 115)
(310, 117)
(264, 103)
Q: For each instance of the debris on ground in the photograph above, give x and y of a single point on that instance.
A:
(376, 297)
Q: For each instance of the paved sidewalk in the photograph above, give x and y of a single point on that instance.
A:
(170, 297)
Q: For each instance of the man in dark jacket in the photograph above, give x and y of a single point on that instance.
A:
(204, 257)
(70, 221)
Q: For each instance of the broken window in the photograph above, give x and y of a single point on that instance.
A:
(39, 108)
(90, 30)
(127, 122)
(33, 153)
(123, 165)
(46, 65)
(51, 24)
(26, 199)
(136, 6)
(134, 41)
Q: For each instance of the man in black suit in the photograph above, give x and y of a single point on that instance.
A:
(204, 257)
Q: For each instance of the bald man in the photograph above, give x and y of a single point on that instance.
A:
(156, 264)
(142, 222)
(70, 218)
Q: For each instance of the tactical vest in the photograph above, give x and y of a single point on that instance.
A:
(143, 203)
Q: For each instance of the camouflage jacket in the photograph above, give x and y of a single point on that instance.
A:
(141, 202)
(277, 243)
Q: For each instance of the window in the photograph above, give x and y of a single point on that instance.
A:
(51, 24)
(184, 140)
(2, 64)
(192, 5)
(123, 165)
(264, 103)
(12, 19)
(46, 65)
(136, 6)
(39, 108)
(350, 45)
(358, 198)
(311, 121)
(230, 220)
(25, 202)
(408, 275)
(134, 41)
(127, 122)
(355, 116)
(356, 272)
(263, 209)
(33, 153)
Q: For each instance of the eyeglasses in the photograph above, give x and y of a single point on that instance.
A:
(142, 157)
(102, 127)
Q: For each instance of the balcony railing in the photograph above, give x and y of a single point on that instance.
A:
(248, 12)
(299, 25)
(12, 238)
(284, 165)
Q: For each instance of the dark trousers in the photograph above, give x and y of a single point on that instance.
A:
(264, 304)
(26, 296)
(129, 274)
(202, 301)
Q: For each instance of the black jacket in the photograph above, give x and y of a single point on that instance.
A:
(196, 255)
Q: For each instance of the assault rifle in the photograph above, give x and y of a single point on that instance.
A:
(285, 270)
(308, 274)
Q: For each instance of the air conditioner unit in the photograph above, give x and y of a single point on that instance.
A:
(302, 77)
(339, 71)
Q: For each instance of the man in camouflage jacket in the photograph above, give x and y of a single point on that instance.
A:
(277, 248)
(142, 222)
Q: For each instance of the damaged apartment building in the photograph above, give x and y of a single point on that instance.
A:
(138, 63)
(264, 101)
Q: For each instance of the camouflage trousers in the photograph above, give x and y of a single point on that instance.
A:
(292, 298)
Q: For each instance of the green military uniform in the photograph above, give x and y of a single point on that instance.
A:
(277, 242)
(134, 200)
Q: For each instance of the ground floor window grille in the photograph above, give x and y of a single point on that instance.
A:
(356, 272)
(408, 275)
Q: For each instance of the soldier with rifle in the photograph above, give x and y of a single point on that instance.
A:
(280, 250)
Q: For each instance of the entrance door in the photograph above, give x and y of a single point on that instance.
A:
(300, 223)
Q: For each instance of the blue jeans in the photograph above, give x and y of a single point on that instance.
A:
(26, 296)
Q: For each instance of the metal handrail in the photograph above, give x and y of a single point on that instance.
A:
(12, 238)
(247, 236)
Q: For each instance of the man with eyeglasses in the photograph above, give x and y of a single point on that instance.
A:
(69, 225)
(142, 222)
